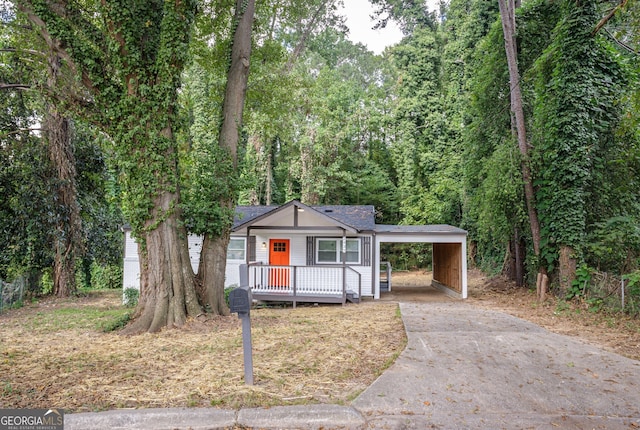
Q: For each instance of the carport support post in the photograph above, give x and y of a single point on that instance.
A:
(246, 348)
(344, 267)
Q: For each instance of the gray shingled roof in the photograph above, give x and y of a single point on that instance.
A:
(247, 213)
(360, 217)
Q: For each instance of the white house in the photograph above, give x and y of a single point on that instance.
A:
(328, 254)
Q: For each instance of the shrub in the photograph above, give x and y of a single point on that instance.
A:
(109, 276)
(131, 296)
(632, 293)
(227, 291)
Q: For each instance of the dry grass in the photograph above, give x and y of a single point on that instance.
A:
(615, 332)
(53, 354)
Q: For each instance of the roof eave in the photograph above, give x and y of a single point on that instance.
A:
(299, 205)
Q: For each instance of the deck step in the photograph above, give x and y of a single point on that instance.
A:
(353, 297)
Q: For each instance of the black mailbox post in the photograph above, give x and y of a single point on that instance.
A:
(240, 300)
(240, 303)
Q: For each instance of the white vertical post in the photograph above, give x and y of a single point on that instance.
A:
(344, 266)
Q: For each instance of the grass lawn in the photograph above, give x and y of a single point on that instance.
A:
(56, 353)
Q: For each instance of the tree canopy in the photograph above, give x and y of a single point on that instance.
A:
(423, 131)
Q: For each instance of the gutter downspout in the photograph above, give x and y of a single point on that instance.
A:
(374, 258)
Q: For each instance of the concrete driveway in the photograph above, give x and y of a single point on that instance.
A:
(472, 368)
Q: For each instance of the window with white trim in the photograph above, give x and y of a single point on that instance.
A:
(328, 251)
(236, 248)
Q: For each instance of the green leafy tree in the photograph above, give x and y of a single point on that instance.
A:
(38, 69)
(426, 154)
(24, 185)
(409, 14)
(130, 57)
(576, 113)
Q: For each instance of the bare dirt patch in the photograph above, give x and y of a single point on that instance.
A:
(54, 354)
(612, 331)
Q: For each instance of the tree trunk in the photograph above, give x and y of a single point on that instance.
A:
(472, 253)
(213, 260)
(507, 14)
(214, 250)
(308, 181)
(268, 186)
(168, 295)
(300, 46)
(68, 227)
(519, 250)
(167, 282)
(567, 266)
(65, 204)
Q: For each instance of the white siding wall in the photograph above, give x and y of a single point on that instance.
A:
(195, 247)
(262, 253)
(298, 250)
(298, 256)
(131, 264)
(366, 273)
(298, 246)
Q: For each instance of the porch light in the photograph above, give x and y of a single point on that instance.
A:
(264, 245)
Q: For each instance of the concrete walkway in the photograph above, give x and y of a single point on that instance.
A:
(463, 368)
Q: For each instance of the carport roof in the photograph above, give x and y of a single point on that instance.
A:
(418, 229)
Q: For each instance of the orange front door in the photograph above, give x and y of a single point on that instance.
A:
(279, 256)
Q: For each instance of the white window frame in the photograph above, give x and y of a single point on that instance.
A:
(338, 242)
(243, 250)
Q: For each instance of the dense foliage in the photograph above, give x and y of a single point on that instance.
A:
(423, 131)
(31, 208)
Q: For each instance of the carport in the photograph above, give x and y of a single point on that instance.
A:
(449, 246)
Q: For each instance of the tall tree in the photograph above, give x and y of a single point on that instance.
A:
(577, 111)
(58, 131)
(129, 57)
(211, 271)
(508, 19)
(23, 46)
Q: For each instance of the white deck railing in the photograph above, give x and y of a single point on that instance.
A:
(299, 281)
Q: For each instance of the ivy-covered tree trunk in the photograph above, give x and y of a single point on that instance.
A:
(211, 271)
(65, 204)
(129, 56)
(309, 183)
(268, 186)
(68, 227)
(168, 294)
(577, 111)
